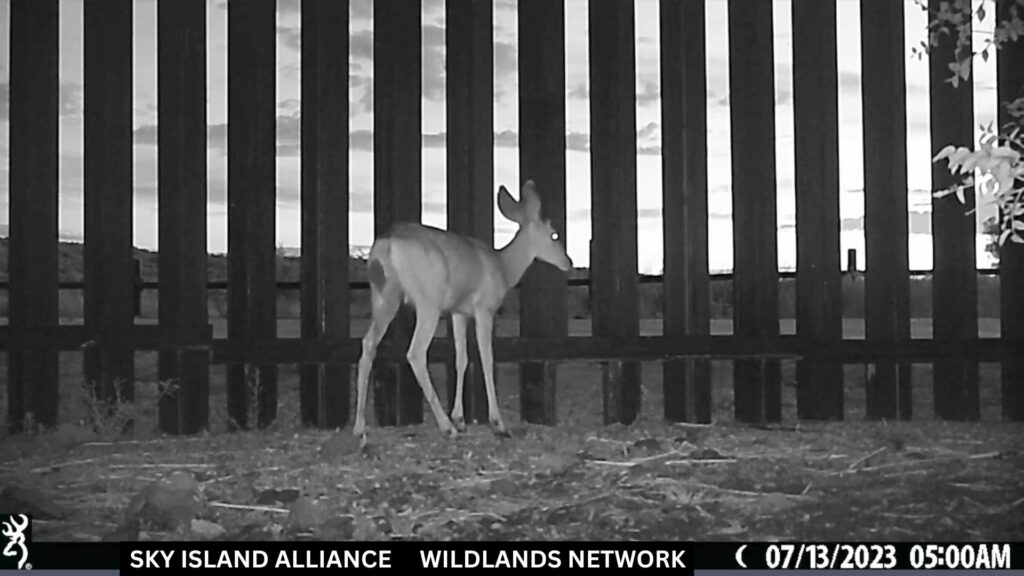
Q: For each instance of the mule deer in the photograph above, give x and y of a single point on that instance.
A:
(441, 272)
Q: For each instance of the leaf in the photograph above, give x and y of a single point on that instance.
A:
(944, 153)
(1005, 234)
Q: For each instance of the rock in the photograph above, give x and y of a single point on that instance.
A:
(165, 504)
(182, 481)
(338, 528)
(273, 496)
(35, 503)
(207, 530)
(304, 514)
(503, 487)
(554, 464)
(122, 534)
(70, 434)
(339, 446)
(648, 446)
(706, 454)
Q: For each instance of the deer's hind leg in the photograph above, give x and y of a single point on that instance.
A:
(385, 302)
(426, 324)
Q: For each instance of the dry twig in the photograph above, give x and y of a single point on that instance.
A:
(251, 508)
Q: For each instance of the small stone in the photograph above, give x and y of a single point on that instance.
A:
(554, 464)
(705, 454)
(504, 487)
(207, 530)
(165, 504)
(35, 503)
(648, 445)
(339, 446)
(273, 496)
(304, 514)
(338, 528)
(70, 434)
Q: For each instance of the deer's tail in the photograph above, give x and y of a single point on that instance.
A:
(379, 267)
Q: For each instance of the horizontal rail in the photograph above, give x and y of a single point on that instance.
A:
(310, 351)
(71, 337)
(347, 350)
(572, 282)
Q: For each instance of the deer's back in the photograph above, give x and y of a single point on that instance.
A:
(456, 273)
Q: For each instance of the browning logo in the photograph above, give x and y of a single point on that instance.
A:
(16, 529)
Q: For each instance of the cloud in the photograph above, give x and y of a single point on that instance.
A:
(506, 59)
(648, 93)
(577, 141)
(360, 45)
(579, 92)
(361, 9)
(435, 140)
(433, 36)
(641, 213)
(648, 130)
(146, 135)
(283, 6)
(433, 62)
(288, 150)
(506, 139)
(290, 36)
(69, 101)
(289, 129)
(434, 207)
(291, 105)
(360, 104)
(648, 142)
(361, 140)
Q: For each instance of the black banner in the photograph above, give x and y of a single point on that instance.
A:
(680, 557)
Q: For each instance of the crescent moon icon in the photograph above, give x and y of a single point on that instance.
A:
(739, 556)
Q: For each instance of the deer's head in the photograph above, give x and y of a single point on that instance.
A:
(540, 237)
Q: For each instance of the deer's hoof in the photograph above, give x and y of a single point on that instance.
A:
(499, 429)
(459, 424)
(452, 433)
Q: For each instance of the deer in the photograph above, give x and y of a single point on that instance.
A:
(440, 272)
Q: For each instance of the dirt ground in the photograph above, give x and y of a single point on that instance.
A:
(839, 481)
(581, 480)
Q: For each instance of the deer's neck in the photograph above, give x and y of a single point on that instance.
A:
(515, 258)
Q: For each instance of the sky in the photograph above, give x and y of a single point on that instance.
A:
(506, 162)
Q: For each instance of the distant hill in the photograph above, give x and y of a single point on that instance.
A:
(71, 263)
(650, 304)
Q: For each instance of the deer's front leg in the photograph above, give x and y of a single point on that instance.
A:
(484, 328)
(461, 361)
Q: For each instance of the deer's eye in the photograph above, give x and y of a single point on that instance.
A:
(554, 236)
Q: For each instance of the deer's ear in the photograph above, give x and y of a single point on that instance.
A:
(530, 201)
(508, 206)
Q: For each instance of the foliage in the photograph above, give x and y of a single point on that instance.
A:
(995, 168)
